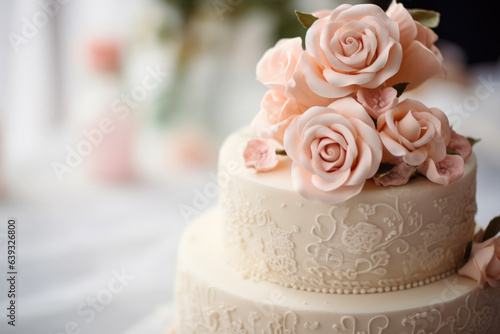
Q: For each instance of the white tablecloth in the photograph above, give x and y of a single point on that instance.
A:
(74, 240)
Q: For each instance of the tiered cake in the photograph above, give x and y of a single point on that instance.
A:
(347, 209)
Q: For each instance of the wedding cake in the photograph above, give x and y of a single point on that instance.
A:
(345, 207)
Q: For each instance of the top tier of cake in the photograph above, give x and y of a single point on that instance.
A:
(383, 239)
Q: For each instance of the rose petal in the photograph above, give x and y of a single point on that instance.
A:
(410, 126)
(478, 267)
(277, 64)
(417, 66)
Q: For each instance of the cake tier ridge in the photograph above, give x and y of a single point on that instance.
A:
(383, 239)
(212, 298)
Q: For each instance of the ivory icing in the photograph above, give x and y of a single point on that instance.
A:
(212, 298)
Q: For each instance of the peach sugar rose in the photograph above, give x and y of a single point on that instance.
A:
(484, 263)
(422, 60)
(353, 47)
(289, 94)
(278, 64)
(413, 133)
(334, 150)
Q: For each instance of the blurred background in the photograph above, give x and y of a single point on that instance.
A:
(111, 114)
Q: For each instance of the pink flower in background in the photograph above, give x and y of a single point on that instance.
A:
(261, 155)
(334, 150)
(377, 101)
(414, 133)
(460, 145)
(355, 46)
(113, 159)
(422, 60)
(278, 64)
(484, 263)
(105, 54)
(399, 175)
(445, 172)
(190, 149)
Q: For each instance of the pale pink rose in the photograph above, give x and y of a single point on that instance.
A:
(304, 97)
(277, 109)
(289, 95)
(278, 64)
(334, 150)
(399, 175)
(190, 148)
(105, 54)
(276, 112)
(445, 172)
(356, 46)
(422, 60)
(377, 101)
(460, 145)
(414, 133)
(113, 159)
(484, 263)
(261, 155)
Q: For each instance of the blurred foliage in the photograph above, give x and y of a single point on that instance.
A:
(282, 10)
(286, 25)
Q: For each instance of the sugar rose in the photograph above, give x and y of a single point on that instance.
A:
(276, 112)
(334, 150)
(289, 95)
(413, 133)
(422, 60)
(354, 46)
(484, 263)
(278, 64)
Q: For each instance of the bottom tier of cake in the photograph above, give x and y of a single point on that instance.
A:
(212, 298)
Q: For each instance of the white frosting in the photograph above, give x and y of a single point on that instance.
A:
(383, 239)
(212, 298)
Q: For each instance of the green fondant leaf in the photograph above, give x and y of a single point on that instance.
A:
(473, 141)
(383, 170)
(305, 19)
(451, 152)
(468, 250)
(428, 18)
(414, 172)
(492, 229)
(280, 152)
(401, 87)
